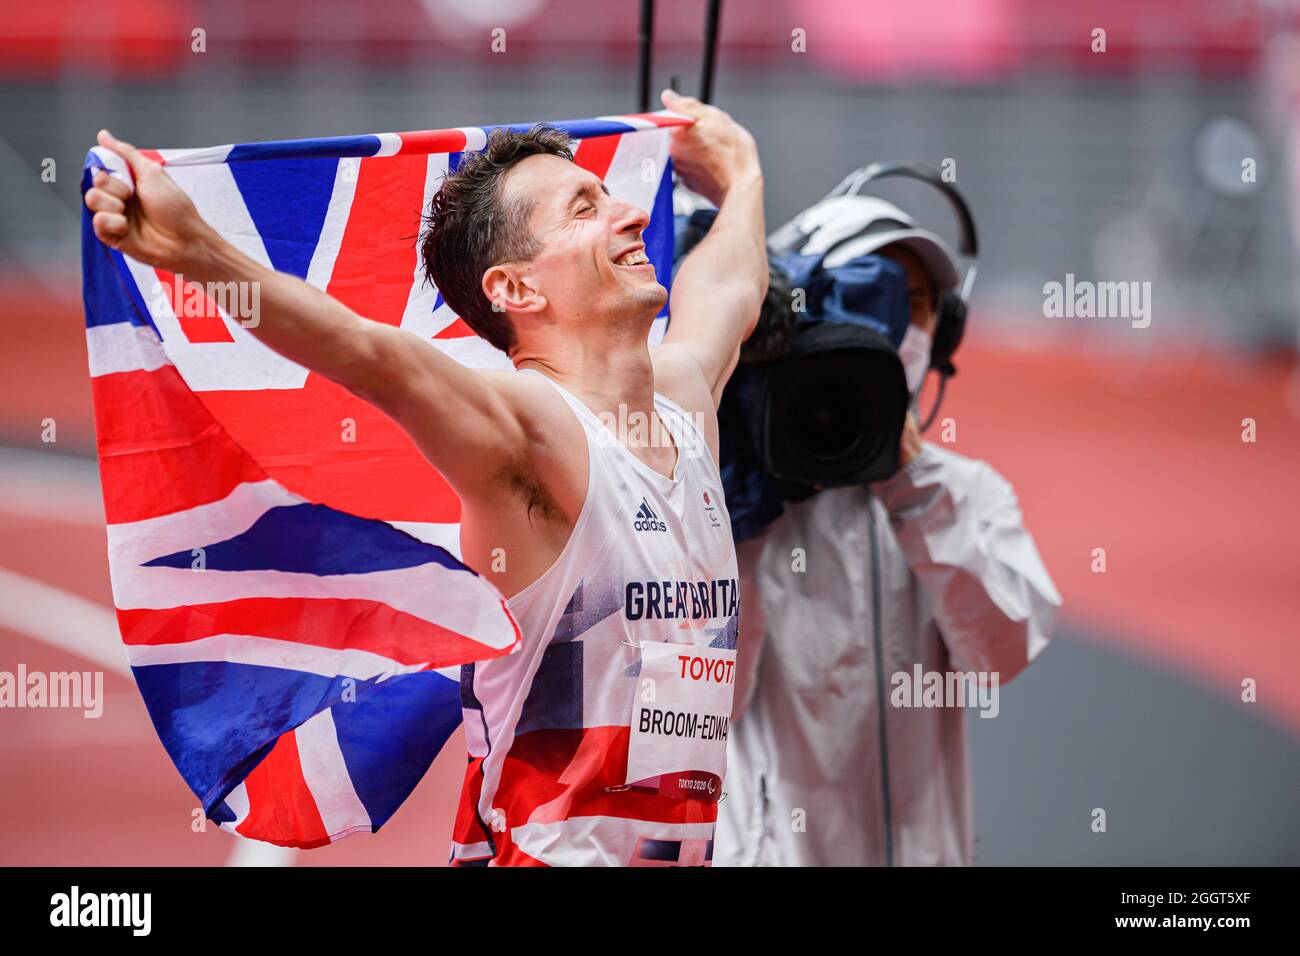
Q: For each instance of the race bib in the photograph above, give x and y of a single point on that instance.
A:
(681, 715)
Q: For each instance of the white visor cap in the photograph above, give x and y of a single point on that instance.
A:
(852, 226)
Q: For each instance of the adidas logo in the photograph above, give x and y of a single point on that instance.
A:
(647, 520)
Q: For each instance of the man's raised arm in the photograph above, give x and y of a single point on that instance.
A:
(720, 286)
(460, 422)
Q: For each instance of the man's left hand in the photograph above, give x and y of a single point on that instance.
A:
(714, 152)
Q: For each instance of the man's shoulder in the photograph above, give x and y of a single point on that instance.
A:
(536, 403)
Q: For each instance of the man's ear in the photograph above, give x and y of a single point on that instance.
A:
(508, 288)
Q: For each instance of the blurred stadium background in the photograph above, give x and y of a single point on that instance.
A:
(1122, 165)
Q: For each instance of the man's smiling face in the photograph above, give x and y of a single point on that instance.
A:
(592, 269)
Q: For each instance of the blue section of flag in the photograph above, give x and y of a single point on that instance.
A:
(659, 236)
(202, 710)
(392, 732)
(101, 289)
(578, 129)
(108, 291)
(329, 146)
(313, 539)
(289, 231)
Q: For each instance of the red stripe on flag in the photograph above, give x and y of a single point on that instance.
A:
(432, 141)
(279, 800)
(322, 442)
(153, 154)
(337, 623)
(661, 120)
(596, 153)
(457, 330)
(375, 266)
(199, 317)
(160, 450)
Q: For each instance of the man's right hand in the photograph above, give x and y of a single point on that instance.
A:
(156, 223)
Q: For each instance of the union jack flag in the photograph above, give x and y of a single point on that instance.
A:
(284, 561)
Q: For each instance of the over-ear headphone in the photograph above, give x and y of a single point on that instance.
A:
(950, 310)
(950, 322)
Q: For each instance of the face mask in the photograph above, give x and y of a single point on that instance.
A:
(914, 352)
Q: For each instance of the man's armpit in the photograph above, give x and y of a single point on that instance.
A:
(517, 479)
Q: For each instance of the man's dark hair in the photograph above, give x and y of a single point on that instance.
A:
(468, 228)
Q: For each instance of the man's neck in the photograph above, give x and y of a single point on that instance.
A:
(605, 375)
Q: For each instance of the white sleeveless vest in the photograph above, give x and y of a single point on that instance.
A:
(603, 740)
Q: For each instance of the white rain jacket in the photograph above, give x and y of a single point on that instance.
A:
(933, 566)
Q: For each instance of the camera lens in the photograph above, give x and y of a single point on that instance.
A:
(828, 418)
(834, 416)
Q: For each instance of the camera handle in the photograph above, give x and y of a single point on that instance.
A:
(645, 41)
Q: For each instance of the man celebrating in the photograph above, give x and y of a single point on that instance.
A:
(603, 740)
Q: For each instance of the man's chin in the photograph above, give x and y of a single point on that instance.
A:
(649, 297)
(650, 310)
(654, 296)
(660, 298)
(632, 305)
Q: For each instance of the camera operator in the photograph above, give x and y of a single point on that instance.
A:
(852, 586)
